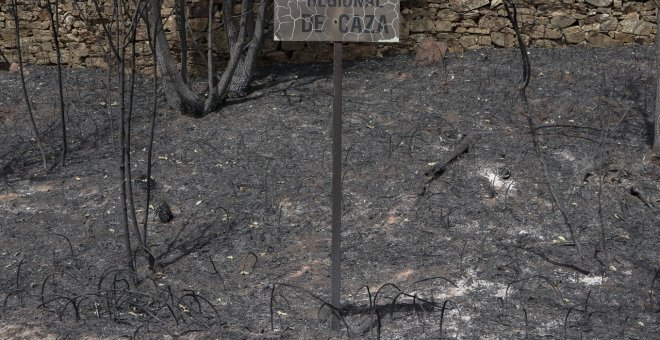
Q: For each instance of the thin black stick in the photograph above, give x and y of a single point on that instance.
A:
(656, 123)
(54, 26)
(183, 38)
(113, 46)
(129, 119)
(154, 112)
(122, 162)
(511, 12)
(25, 93)
(209, 42)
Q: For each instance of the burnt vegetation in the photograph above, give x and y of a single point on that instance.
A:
(493, 192)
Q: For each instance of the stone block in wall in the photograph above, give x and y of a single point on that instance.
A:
(545, 32)
(644, 39)
(448, 15)
(467, 5)
(604, 10)
(562, 20)
(478, 30)
(541, 2)
(468, 23)
(503, 39)
(493, 22)
(472, 15)
(649, 6)
(637, 27)
(601, 40)
(573, 34)
(625, 38)
(599, 3)
(64, 57)
(609, 23)
(469, 41)
(421, 25)
(443, 26)
(31, 49)
(545, 43)
(96, 62)
(594, 26)
(484, 40)
(631, 6)
(70, 37)
(169, 25)
(78, 51)
(630, 16)
(420, 13)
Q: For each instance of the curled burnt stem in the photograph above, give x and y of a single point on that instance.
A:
(512, 15)
(73, 254)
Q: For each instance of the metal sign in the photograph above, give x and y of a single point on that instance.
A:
(337, 20)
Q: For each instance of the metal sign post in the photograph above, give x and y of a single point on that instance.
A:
(337, 21)
(335, 245)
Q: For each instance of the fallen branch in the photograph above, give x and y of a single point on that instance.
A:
(557, 263)
(438, 168)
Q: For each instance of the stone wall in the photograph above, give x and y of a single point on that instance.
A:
(464, 24)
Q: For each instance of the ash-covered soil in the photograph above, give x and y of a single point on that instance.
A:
(480, 251)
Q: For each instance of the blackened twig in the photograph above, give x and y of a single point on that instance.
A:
(25, 93)
(54, 26)
(511, 12)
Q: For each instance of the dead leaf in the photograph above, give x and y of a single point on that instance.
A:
(429, 51)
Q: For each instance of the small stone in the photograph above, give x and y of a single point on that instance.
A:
(14, 68)
(164, 212)
(504, 172)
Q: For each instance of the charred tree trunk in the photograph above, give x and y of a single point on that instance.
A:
(183, 38)
(178, 93)
(54, 25)
(245, 69)
(656, 123)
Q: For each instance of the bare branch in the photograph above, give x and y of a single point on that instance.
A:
(25, 93)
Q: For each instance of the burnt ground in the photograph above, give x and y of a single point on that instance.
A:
(482, 252)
